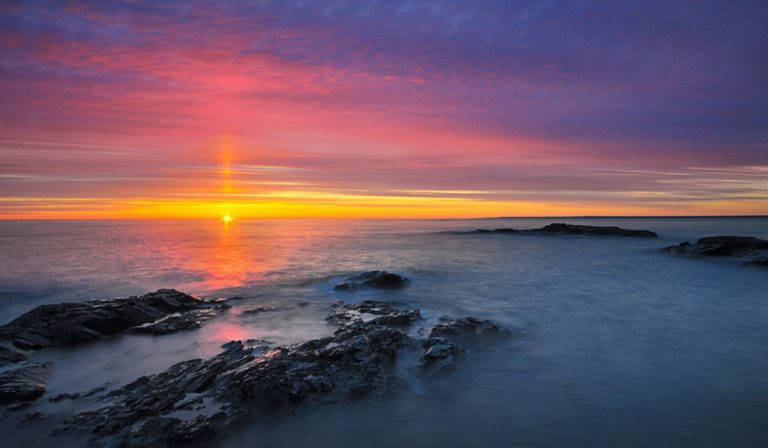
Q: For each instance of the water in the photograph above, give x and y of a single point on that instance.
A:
(618, 344)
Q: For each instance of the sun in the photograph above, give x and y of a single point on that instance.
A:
(227, 218)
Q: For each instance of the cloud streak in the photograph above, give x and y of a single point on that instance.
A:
(503, 107)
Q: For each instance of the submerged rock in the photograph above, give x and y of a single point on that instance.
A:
(373, 279)
(465, 327)
(64, 323)
(446, 340)
(760, 261)
(575, 229)
(195, 400)
(24, 381)
(259, 310)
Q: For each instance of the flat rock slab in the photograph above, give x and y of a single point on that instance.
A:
(575, 229)
(66, 323)
(373, 279)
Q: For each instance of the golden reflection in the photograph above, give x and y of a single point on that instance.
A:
(227, 151)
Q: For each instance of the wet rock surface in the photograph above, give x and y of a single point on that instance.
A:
(9, 355)
(754, 251)
(574, 229)
(24, 381)
(67, 323)
(373, 312)
(373, 279)
(194, 401)
(188, 320)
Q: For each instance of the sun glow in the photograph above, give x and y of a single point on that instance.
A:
(227, 219)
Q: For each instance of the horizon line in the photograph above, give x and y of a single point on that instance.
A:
(396, 219)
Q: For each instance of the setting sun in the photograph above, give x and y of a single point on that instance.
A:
(227, 218)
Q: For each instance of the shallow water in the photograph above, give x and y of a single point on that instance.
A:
(617, 343)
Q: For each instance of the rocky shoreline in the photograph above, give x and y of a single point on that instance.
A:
(199, 399)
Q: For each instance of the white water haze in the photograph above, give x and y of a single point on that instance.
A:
(616, 343)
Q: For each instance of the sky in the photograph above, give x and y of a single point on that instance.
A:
(371, 109)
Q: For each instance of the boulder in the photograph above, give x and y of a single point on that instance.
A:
(373, 279)
(194, 401)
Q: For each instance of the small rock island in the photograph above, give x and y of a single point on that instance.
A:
(574, 229)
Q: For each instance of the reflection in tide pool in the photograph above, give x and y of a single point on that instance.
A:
(617, 343)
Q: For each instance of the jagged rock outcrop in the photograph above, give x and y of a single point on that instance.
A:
(575, 229)
(373, 279)
(198, 399)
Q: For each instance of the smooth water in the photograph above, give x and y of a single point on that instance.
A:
(618, 344)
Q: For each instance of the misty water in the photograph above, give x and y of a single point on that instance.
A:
(615, 343)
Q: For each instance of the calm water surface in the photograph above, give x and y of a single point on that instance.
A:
(618, 344)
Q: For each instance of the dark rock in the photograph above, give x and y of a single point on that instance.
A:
(576, 229)
(194, 400)
(377, 312)
(373, 279)
(66, 323)
(715, 246)
(465, 327)
(24, 381)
